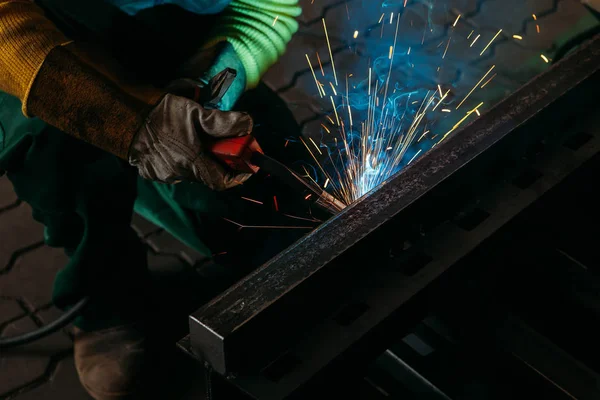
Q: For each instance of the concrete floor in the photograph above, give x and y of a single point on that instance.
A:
(45, 370)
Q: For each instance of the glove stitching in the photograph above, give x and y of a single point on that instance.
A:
(185, 150)
(156, 153)
(204, 175)
(156, 138)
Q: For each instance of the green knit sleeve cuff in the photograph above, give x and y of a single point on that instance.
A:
(259, 31)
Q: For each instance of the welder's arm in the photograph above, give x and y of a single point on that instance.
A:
(26, 38)
(46, 71)
(259, 31)
(166, 141)
(164, 136)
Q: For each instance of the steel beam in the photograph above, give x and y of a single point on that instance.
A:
(279, 302)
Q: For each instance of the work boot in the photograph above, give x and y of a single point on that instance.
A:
(110, 362)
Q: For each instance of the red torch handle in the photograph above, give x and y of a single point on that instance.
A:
(237, 153)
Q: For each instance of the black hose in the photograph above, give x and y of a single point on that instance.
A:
(594, 12)
(49, 329)
(574, 42)
(577, 40)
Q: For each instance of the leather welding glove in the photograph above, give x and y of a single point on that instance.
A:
(163, 135)
(172, 144)
(84, 93)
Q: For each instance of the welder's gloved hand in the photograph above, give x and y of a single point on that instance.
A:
(173, 143)
(84, 93)
(208, 63)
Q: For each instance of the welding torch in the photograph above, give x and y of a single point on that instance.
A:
(244, 154)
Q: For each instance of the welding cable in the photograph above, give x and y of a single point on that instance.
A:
(572, 44)
(578, 39)
(594, 9)
(49, 329)
(259, 31)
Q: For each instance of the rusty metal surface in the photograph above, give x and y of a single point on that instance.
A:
(239, 314)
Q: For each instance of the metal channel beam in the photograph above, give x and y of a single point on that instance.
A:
(279, 301)
(396, 302)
